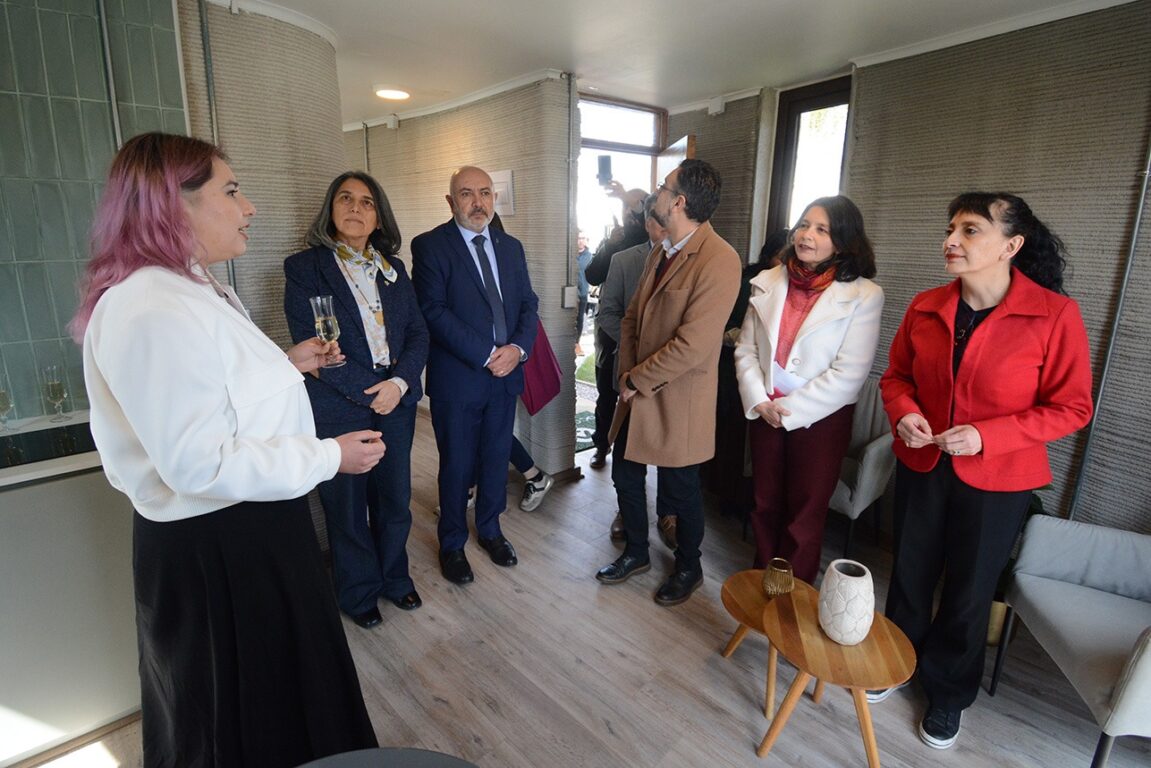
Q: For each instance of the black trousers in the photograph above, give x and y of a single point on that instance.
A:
(605, 387)
(944, 526)
(677, 493)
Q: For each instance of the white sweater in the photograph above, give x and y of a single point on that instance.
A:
(193, 408)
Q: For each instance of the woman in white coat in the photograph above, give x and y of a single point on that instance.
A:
(804, 351)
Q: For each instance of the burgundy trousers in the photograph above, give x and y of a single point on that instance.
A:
(794, 474)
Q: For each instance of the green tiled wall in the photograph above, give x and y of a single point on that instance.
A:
(56, 140)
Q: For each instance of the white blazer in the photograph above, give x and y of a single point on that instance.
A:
(833, 350)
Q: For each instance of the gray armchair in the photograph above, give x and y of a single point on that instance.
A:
(1084, 591)
(869, 461)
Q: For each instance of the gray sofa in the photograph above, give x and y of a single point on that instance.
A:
(1084, 592)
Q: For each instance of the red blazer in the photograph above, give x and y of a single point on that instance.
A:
(1025, 380)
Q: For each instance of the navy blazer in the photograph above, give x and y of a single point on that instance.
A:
(338, 394)
(451, 294)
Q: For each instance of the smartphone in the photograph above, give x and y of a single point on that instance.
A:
(604, 175)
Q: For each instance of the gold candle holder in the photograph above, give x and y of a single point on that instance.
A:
(777, 577)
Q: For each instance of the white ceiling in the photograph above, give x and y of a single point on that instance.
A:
(665, 53)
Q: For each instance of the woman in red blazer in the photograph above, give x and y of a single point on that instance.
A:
(983, 373)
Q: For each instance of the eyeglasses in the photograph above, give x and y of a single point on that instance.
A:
(665, 188)
(346, 199)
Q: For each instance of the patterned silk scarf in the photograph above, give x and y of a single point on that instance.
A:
(369, 258)
(361, 269)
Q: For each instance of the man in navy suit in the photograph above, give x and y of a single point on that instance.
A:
(473, 288)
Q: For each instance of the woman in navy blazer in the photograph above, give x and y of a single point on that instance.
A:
(354, 241)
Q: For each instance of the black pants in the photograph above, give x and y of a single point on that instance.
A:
(944, 526)
(605, 387)
(677, 493)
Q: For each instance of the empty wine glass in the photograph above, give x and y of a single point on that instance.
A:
(55, 391)
(6, 406)
(327, 327)
(777, 577)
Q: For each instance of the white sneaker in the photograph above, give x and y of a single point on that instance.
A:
(471, 502)
(874, 697)
(535, 490)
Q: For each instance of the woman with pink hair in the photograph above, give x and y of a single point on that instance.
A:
(203, 422)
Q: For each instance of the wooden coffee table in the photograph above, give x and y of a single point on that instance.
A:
(885, 658)
(743, 597)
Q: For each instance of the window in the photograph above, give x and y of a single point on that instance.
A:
(809, 139)
(618, 124)
(624, 138)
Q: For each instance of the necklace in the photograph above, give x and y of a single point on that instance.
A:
(963, 333)
(973, 316)
(376, 306)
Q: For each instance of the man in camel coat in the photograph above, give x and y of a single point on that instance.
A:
(669, 348)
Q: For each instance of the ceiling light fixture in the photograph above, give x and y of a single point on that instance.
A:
(392, 94)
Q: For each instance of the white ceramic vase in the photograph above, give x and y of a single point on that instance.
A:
(846, 602)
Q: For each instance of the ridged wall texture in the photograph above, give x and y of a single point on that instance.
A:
(278, 105)
(525, 131)
(1061, 115)
(727, 141)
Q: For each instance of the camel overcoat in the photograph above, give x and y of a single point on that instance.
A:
(670, 340)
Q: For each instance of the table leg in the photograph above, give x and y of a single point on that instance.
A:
(736, 639)
(860, 697)
(769, 697)
(817, 694)
(785, 709)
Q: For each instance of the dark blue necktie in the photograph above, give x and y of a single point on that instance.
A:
(498, 321)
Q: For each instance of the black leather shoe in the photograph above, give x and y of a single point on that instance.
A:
(624, 567)
(678, 587)
(599, 460)
(500, 550)
(454, 566)
(408, 602)
(618, 533)
(368, 619)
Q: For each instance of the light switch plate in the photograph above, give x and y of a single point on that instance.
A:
(571, 297)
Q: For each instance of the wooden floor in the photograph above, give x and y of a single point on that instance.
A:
(541, 666)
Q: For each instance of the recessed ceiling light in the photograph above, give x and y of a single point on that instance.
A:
(392, 94)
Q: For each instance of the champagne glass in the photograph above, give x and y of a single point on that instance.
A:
(327, 327)
(777, 577)
(6, 406)
(55, 391)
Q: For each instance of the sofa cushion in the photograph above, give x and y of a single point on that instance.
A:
(1107, 559)
(1088, 633)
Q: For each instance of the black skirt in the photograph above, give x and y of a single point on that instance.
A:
(243, 659)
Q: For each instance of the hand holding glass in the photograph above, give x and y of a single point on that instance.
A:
(777, 577)
(55, 392)
(327, 327)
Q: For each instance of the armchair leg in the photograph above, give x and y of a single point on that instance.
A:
(1102, 751)
(1004, 639)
